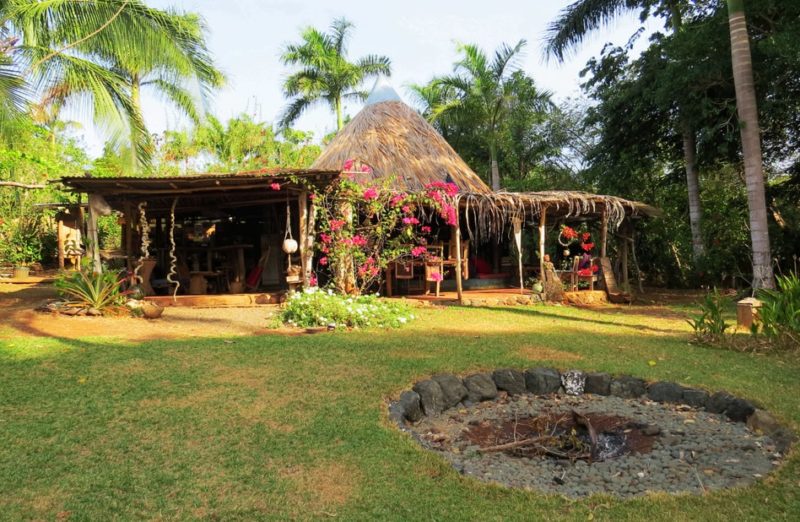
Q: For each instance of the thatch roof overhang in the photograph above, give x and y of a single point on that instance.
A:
(402, 149)
(488, 215)
(202, 191)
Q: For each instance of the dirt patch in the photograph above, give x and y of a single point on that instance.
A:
(540, 353)
(322, 487)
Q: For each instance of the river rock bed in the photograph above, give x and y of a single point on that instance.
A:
(674, 439)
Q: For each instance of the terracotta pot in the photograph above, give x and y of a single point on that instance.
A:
(152, 310)
(21, 272)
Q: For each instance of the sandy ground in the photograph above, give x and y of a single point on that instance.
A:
(17, 318)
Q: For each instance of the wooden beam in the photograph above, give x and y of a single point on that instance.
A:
(302, 211)
(456, 233)
(16, 184)
(604, 234)
(310, 225)
(60, 235)
(542, 223)
(625, 280)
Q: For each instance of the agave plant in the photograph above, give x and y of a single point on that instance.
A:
(92, 290)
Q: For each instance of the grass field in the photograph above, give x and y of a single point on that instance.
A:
(276, 427)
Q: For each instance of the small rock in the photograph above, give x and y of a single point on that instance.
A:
(627, 387)
(452, 388)
(431, 397)
(761, 421)
(733, 407)
(410, 403)
(509, 380)
(597, 383)
(665, 392)
(541, 381)
(480, 387)
(651, 430)
(573, 382)
(694, 397)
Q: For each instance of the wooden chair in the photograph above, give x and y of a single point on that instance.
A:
(576, 277)
(434, 268)
(452, 256)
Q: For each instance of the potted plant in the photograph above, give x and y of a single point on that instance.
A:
(23, 254)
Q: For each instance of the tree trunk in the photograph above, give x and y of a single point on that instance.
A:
(751, 144)
(136, 102)
(339, 117)
(693, 185)
(495, 169)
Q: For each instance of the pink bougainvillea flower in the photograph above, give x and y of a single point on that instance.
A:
(410, 221)
(587, 246)
(586, 236)
(397, 199)
(370, 194)
(326, 238)
(275, 186)
(366, 169)
(312, 280)
(348, 165)
(359, 240)
(406, 209)
(418, 251)
(436, 276)
(336, 224)
(426, 230)
(323, 261)
(312, 196)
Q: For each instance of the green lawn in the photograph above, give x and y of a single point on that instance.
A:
(280, 427)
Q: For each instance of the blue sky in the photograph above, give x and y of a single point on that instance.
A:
(419, 36)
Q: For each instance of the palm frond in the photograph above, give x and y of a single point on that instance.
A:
(580, 18)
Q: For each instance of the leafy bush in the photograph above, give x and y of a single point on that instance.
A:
(99, 291)
(779, 315)
(316, 307)
(709, 325)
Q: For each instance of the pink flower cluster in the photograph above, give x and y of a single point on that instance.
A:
(370, 194)
(368, 268)
(451, 189)
(436, 276)
(275, 186)
(418, 251)
(336, 224)
(398, 198)
(351, 163)
(410, 221)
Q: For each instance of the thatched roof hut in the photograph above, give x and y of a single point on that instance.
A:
(398, 144)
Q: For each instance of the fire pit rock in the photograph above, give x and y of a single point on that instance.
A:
(577, 434)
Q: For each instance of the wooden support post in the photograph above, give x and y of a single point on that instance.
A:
(604, 234)
(302, 212)
(60, 235)
(456, 233)
(542, 223)
(311, 223)
(625, 281)
(128, 229)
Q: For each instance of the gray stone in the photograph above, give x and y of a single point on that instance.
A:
(396, 413)
(452, 388)
(480, 387)
(695, 398)
(431, 397)
(627, 387)
(409, 402)
(733, 407)
(573, 381)
(509, 380)
(651, 430)
(665, 392)
(541, 381)
(762, 422)
(597, 383)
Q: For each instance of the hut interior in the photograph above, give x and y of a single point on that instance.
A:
(210, 234)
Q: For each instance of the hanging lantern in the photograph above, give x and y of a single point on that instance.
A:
(290, 245)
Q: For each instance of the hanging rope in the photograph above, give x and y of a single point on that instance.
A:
(289, 244)
(173, 260)
(145, 228)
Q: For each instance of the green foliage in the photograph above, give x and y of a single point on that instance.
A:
(779, 314)
(324, 74)
(318, 307)
(709, 325)
(101, 291)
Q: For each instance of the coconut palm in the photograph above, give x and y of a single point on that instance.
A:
(75, 52)
(751, 144)
(325, 75)
(481, 88)
(580, 18)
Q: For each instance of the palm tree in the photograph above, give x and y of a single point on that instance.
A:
(72, 51)
(751, 144)
(584, 16)
(482, 88)
(325, 75)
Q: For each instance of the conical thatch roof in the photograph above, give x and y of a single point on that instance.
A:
(397, 142)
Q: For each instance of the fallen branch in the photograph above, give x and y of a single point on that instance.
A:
(22, 185)
(513, 445)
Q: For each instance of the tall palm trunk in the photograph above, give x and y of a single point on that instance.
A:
(495, 168)
(339, 117)
(751, 144)
(136, 104)
(690, 161)
(693, 186)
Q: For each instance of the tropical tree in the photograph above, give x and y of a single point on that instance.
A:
(580, 18)
(483, 90)
(324, 73)
(751, 144)
(67, 52)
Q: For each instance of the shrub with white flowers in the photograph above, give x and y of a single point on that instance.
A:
(318, 307)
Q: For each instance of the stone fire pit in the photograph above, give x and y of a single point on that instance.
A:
(578, 434)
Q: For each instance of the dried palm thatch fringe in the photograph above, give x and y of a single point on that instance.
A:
(489, 215)
(398, 143)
